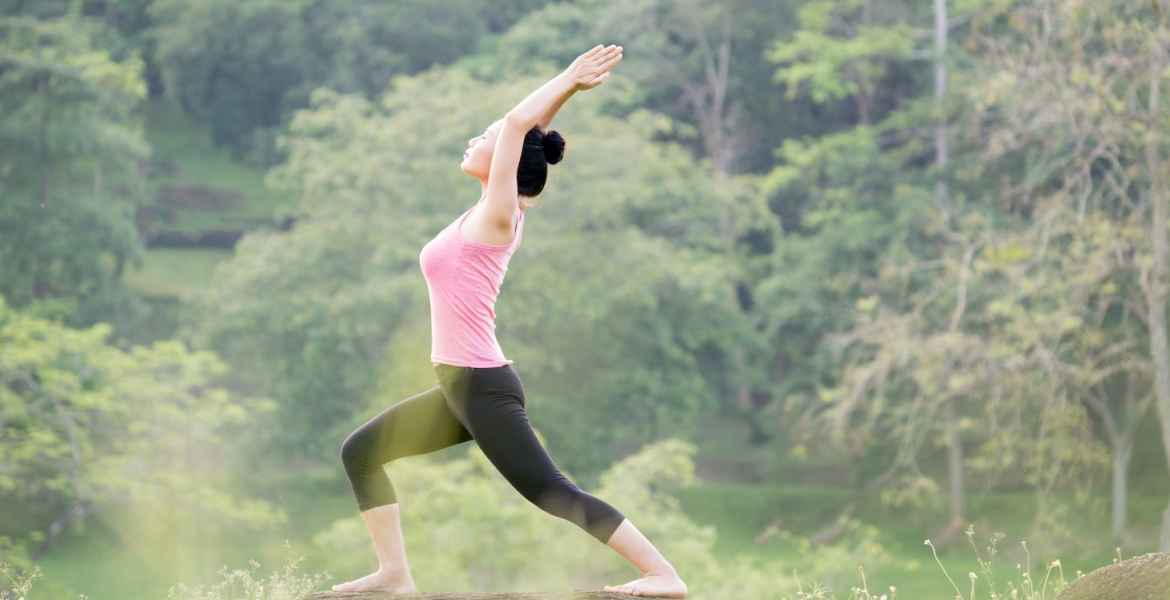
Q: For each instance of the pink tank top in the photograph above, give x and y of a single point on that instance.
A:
(463, 281)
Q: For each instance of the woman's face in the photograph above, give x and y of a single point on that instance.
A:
(477, 161)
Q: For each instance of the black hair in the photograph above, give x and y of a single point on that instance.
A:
(540, 150)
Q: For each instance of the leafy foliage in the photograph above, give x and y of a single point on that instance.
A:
(69, 165)
(86, 424)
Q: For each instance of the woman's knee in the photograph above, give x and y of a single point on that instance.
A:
(353, 450)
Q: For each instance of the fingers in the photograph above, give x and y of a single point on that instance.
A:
(600, 52)
(593, 66)
(605, 66)
(611, 59)
(604, 60)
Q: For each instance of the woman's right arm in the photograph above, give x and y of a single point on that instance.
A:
(587, 71)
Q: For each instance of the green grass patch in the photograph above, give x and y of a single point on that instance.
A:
(108, 560)
(740, 511)
(175, 273)
(178, 140)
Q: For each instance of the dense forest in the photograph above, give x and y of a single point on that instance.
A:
(816, 280)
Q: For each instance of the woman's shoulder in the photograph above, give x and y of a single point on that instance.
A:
(475, 229)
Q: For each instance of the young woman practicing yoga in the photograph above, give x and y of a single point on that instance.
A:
(479, 395)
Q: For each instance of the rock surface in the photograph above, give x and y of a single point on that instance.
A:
(572, 595)
(1145, 577)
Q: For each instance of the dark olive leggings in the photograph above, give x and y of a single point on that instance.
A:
(485, 404)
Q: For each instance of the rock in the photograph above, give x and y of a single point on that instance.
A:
(573, 595)
(1145, 577)
(199, 196)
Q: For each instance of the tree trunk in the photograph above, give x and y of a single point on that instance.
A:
(74, 514)
(1156, 287)
(955, 464)
(1122, 451)
(45, 169)
(940, 92)
(942, 192)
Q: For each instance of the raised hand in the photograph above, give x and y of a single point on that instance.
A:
(592, 68)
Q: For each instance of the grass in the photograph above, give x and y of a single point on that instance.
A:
(174, 137)
(175, 272)
(105, 562)
(740, 511)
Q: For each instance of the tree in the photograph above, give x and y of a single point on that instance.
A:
(1088, 130)
(69, 164)
(844, 50)
(244, 68)
(927, 355)
(850, 195)
(84, 425)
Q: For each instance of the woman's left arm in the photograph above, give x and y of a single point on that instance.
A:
(541, 104)
(546, 119)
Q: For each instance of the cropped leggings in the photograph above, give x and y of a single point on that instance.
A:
(486, 404)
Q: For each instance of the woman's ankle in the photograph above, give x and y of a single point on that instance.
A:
(666, 569)
(397, 572)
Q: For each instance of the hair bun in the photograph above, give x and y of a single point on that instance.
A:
(554, 147)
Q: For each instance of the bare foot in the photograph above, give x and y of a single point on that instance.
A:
(665, 585)
(381, 581)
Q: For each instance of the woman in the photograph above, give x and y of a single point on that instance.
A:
(479, 395)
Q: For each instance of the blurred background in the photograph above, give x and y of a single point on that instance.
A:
(825, 296)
